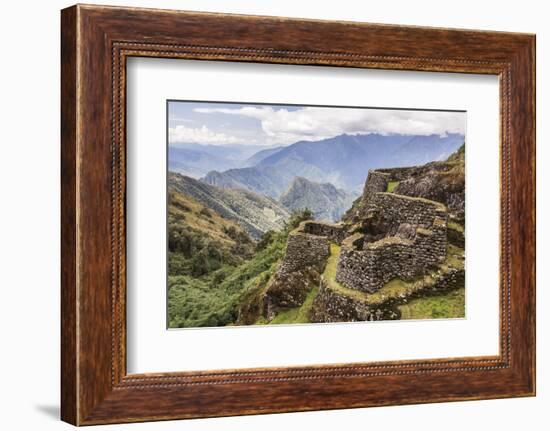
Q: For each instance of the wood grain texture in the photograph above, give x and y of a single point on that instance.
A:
(69, 397)
(96, 41)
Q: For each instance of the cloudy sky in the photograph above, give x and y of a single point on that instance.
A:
(232, 123)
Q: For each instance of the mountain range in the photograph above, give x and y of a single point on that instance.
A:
(267, 180)
(343, 161)
(259, 189)
(196, 160)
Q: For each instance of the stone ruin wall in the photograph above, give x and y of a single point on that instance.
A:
(304, 249)
(378, 179)
(305, 258)
(332, 306)
(368, 266)
(334, 232)
(400, 174)
(409, 186)
(405, 209)
(376, 182)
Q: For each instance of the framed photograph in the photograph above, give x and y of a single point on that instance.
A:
(263, 214)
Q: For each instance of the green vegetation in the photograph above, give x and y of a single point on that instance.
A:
(455, 226)
(211, 300)
(200, 241)
(206, 291)
(391, 186)
(455, 233)
(458, 155)
(447, 305)
(293, 315)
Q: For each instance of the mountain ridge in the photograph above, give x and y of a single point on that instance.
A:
(253, 212)
(343, 161)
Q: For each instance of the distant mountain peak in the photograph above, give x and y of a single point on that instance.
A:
(327, 202)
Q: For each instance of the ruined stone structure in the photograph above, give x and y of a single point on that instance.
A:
(333, 306)
(305, 258)
(304, 248)
(439, 181)
(334, 232)
(377, 182)
(391, 236)
(410, 235)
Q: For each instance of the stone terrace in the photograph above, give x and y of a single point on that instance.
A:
(401, 237)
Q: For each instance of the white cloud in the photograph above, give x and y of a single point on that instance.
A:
(282, 126)
(200, 135)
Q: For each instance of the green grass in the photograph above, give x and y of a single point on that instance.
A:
(445, 306)
(293, 315)
(455, 257)
(455, 226)
(392, 185)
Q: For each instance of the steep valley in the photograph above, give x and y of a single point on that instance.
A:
(239, 256)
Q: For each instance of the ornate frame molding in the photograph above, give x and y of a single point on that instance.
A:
(96, 41)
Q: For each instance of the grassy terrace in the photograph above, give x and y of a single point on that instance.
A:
(396, 288)
(391, 186)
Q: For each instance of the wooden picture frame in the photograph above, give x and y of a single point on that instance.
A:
(95, 43)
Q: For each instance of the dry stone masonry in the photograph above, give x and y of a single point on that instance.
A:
(334, 306)
(334, 232)
(391, 236)
(415, 239)
(305, 258)
(304, 249)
